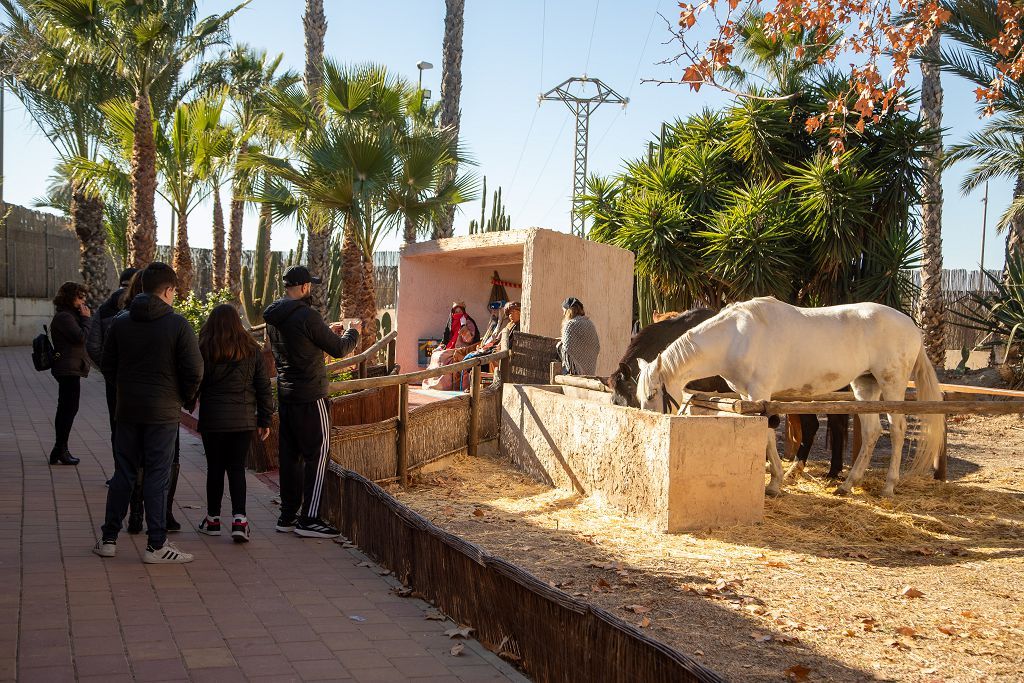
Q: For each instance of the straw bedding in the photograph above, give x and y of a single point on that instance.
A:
(921, 588)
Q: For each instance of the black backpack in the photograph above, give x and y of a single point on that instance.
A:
(43, 354)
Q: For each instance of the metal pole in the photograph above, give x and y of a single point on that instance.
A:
(984, 221)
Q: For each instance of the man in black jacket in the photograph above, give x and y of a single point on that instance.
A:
(299, 337)
(97, 334)
(153, 359)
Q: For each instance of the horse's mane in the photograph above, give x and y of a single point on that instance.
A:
(642, 338)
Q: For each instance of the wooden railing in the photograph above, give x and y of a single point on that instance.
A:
(403, 381)
(363, 359)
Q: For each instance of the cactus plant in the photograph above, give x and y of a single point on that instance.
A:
(259, 291)
(498, 222)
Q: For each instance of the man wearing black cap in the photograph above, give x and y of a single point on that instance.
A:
(298, 339)
(98, 334)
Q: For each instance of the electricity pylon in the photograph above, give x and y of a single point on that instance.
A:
(581, 106)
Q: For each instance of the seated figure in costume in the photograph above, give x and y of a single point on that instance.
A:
(499, 341)
(461, 336)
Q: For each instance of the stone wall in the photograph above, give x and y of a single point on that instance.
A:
(677, 473)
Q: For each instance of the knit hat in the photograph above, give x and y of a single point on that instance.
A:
(570, 302)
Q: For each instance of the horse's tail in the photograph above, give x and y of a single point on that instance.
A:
(932, 434)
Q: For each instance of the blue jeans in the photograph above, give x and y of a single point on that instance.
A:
(150, 447)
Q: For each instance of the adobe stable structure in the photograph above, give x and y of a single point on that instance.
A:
(676, 472)
(548, 265)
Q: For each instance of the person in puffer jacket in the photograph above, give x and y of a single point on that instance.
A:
(299, 337)
(234, 401)
(153, 359)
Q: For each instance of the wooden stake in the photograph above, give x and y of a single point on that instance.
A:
(474, 413)
(403, 435)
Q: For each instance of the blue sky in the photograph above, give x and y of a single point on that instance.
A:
(512, 52)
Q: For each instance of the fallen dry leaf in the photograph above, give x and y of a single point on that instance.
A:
(785, 640)
(968, 614)
(921, 551)
(948, 629)
(911, 592)
(433, 615)
(601, 583)
(402, 592)
(457, 649)
(477, 512)
(638, 609)
(645, 623)
(868, 624)
(797, 672)
(908, 631)
(459, 632)
(898, 644)
(448, 510)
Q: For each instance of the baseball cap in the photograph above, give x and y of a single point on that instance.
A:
(570, 302)
(126, 275)
(299, 275)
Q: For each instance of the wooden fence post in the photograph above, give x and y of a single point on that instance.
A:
(362, 370)
(391, 357)
(474, 413)
(403, 435)
(554, 370)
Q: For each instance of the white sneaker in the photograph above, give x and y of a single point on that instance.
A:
(166, 555)
(105, 548)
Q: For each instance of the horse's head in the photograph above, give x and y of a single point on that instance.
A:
(649, 385)
(623, 387)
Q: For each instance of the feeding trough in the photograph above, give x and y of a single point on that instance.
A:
(676, 472)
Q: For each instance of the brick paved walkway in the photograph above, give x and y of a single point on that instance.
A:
(277, 609)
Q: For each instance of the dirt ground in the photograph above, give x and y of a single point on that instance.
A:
(922, 588)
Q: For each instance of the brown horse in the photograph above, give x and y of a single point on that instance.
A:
(655, 338)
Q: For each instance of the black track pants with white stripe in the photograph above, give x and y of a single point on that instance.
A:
(303, 453)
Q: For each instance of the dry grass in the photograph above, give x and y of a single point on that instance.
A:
(920, 588)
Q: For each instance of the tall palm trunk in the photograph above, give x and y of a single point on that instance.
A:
(142, 214)
(314, 24)
(931, 312)
(266, 223)
(218, 240)
(409, 232)
(183, 257)
(87, 221)
(234, 256)
(451, 91)
(368, 304)
(352, 277)
(1015, 233)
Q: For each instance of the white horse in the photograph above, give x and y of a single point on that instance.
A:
(764, 347)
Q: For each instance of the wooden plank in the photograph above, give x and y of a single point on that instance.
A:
(474, 413)
(984, 391)
(902, 407)
(403, 435)
(413, 377)
(591, 383)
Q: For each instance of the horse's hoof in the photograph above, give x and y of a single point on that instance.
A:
(772, 492)
(794, 472)
(888, 494)
(833, 475)
(840, 491)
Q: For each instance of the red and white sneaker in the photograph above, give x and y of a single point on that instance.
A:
(240, 530)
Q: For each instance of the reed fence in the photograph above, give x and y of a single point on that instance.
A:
(551, 635)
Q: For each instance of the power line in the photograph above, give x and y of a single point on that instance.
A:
(593, 26)
(522, 152)
(543, 168)
(636, 71)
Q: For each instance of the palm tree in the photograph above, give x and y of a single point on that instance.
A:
(65, 109)
(972, 27)
(249, 74)
(314, 24)
(363, 165)
(451, 92)
(147, 44)
(931, 311)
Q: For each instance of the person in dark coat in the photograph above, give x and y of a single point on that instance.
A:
(153, 358)
(68, 330)
(98, 332)
(234, 401)
(299, 337)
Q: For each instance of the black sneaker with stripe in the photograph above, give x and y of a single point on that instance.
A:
(316, 528)
(286, 524)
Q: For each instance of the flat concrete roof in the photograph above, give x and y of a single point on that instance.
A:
(506, 243)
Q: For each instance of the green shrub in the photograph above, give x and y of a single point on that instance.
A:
(197, 309)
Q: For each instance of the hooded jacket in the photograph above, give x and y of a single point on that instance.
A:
(152, 356)
(299, 337)
(101, 324)
(235, 396)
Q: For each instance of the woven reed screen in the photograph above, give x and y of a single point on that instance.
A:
(557, 637)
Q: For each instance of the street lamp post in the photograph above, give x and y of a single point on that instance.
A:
(423, 66)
